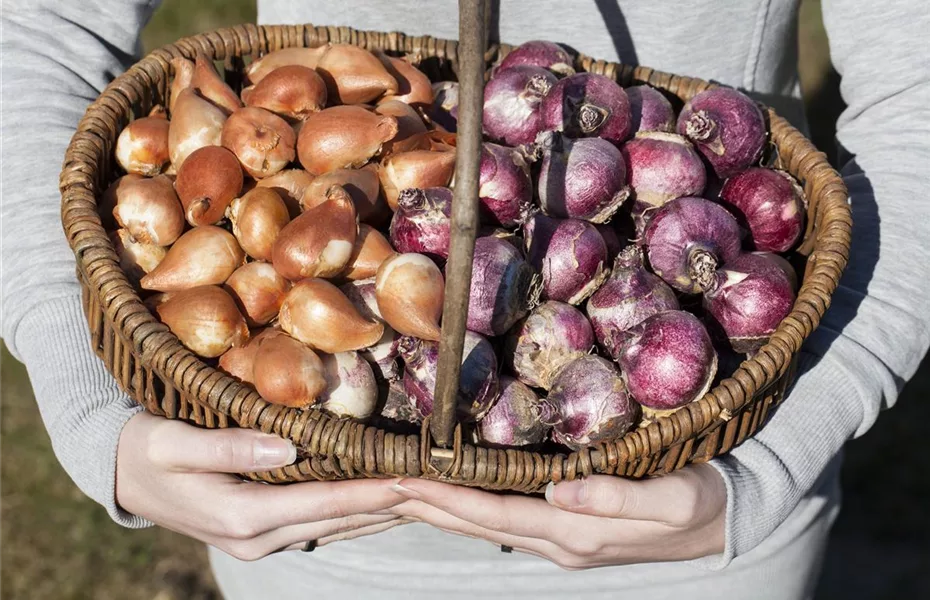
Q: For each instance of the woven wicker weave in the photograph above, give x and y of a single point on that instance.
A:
(155, 369)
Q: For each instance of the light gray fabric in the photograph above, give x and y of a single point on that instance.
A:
(57, 57)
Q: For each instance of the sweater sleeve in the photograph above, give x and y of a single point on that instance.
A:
(874, 335)
(57, 57)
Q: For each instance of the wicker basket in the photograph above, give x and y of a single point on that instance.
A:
(167, 379)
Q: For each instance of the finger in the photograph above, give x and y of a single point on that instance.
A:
(273, 507)
(273, 541)
(672, 499)
(363, 531)
(517, 515)
(447, 522)
(177, 446)
(349, 535)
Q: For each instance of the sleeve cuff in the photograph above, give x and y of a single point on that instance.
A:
(83, 408)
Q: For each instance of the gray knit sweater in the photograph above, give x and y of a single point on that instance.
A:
(58, 56)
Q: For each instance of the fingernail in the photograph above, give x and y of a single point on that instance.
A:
(406, 492)
(567, 494)
(273, 452)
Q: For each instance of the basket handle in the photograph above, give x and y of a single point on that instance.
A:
(473, 29)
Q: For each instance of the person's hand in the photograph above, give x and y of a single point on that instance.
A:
(175, 475)
(598, 521)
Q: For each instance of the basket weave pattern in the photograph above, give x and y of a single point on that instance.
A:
(167, 379)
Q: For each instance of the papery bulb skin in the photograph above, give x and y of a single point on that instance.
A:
(202, 256)
(414, 169)
(668, 361)
(505, 190)
(207, 182)
(748, 299)
(257, 219)
(589, 403)
(342, 137)
(513, 102)
(195, 123)
(688, 239)
(662, 167)
(514, 419)
(580, 179)
(148, 208)
(316, 313)
(727, 127)
(259, 292)
(291, 91)
(570, 255)
(413, 86)
(309, 58)
(540, 53)
(288, 373)
(318, 243)
(351, 390)
(208, 83)
(263, 142)
(587, 105)
(630, 295)
(422, 222)
(290, 184)
(142, 146)
(650, 110)
(771, 203)
(553, 335)
(478, 383)
(410, 290)
(409, 123)
(135, 258)
(502, 287)
(205, 319)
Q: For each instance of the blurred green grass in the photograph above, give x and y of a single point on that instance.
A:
(57, 544)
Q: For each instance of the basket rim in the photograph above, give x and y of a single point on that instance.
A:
(89, 154)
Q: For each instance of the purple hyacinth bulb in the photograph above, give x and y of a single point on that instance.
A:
(588, 105)
(772, 204)
(650, 109)
(514, 418)
(570, 255)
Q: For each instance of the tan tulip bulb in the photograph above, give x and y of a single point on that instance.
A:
(207, 182)
(135, 258)
(351, 388)
(288, 373)
(183, 74)
(342, 137)
(305, 57)
(371, 249)
(212, 87)
(239, 362)
(415, 169)
(413, 86)
(259, 291)
(155, 300)
(409, 123)
(108, 200)
(195, 123)
(361, 184)
(205, 319)
(354, 75)
(257, 218)
(150, 210)
(262, 141)
(292, 91)
(317, 313)
(410, 290)
(142, 146)
(318, 243)
(290, 185)
(204, 255)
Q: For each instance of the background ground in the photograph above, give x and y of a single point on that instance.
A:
(57, 544)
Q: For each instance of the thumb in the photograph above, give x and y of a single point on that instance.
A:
(181, 447)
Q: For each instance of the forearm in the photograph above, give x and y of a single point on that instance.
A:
(875, 333)
(56, 59)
